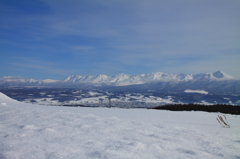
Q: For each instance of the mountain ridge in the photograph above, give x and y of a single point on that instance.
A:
(125, 79)
(118, 80)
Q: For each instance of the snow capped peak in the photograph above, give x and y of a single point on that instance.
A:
(120, 75)
(159, 75)
(218, 75)
(72, 78)
(185, 77)
(78, 79)
(21, 81)
(222, 75)
(75, 77)
(121, 79)
(100, 78)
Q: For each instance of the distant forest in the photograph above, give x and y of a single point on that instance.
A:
(222, 108)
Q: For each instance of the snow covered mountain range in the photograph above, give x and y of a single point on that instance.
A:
(124, 79)
(117, 80)
(21, 81)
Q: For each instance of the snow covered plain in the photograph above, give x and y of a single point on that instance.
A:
(128, 100)
(33, 131)
(196, 91)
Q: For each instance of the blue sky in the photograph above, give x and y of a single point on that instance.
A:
(43, 39)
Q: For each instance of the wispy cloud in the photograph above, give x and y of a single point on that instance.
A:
(122, 35)
(38, 66)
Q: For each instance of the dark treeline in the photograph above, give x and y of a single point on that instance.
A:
(222, 108)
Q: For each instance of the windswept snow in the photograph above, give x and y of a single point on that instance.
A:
(33, 131)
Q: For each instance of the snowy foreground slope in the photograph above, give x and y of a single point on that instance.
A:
(32, 131)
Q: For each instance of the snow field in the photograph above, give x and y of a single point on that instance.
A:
(103, 100)
(196, 91)
(32, 131)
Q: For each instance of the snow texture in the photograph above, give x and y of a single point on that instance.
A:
(33, 131)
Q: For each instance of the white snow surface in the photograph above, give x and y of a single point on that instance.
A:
(92, 98)
(33, 131)
(196, 91)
